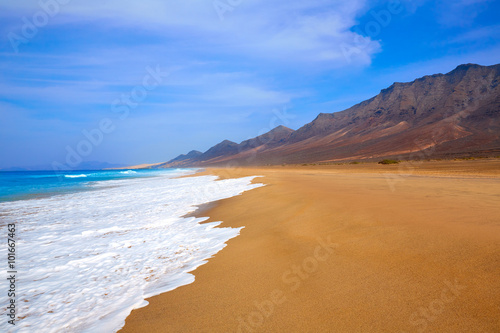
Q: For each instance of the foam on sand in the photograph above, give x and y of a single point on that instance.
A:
(87, 259)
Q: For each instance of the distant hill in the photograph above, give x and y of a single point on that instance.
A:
(441, 115)
(182, 159)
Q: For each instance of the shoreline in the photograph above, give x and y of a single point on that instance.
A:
(328, 249)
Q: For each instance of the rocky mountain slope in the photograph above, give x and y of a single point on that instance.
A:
(442, 115)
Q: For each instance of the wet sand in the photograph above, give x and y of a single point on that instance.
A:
(348, 248)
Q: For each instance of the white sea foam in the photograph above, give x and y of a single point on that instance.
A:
(75, 176)
(85, 260)
(128, 172)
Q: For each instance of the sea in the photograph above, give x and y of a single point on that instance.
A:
(91, 246)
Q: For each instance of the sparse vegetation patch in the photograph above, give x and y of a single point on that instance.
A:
(386, 161)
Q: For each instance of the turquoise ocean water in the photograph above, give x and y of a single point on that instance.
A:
(21, 185)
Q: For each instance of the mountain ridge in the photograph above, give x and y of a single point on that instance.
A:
(435, 115)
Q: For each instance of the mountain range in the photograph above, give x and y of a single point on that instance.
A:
(437, 116)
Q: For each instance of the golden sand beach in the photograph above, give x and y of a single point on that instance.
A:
(413, 247)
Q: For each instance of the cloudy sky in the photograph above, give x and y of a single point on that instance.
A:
(132, 82)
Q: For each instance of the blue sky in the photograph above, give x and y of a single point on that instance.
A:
(157, 78)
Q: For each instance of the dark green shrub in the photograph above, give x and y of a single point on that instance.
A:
(386, 161)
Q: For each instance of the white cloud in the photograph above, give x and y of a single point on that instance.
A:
(246, 95)
(227, 72)
(289, 31)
